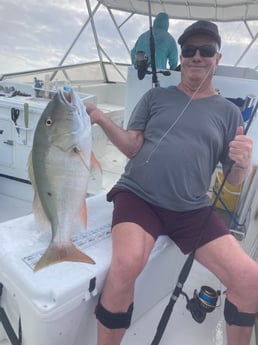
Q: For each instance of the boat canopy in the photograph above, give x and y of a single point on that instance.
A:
(108, 68)
(215, 10)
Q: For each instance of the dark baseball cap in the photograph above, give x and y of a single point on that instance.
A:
(201, 27)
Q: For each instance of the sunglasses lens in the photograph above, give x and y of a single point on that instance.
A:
(189, 51)
(205, 51)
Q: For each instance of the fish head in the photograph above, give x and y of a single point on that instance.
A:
(64, 122)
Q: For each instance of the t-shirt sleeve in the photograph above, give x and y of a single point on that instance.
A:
(141, 113)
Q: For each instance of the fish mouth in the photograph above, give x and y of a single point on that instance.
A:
(70, 100)
(67, 97)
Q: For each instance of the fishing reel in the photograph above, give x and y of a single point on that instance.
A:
(141, 64)
(202, 303)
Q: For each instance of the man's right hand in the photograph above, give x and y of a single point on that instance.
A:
(94, 112)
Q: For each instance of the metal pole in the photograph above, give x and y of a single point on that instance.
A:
(73, 43)
(96, 41)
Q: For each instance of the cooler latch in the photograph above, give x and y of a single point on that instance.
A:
(92, 284)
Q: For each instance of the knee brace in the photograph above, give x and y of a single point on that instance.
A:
(113, 320)
(235, 317)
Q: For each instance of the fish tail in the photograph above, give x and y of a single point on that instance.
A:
(67, 252)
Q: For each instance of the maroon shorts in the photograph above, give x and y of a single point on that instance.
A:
(182, 227)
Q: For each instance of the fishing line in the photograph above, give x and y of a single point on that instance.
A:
(178, 118)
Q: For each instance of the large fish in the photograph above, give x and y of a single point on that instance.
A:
(59, 171)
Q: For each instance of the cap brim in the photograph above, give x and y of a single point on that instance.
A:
(183, 38)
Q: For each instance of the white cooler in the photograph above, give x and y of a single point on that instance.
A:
(55, 306)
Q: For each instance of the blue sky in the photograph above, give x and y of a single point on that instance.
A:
(36, 34)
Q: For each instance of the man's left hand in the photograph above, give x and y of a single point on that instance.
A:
(240, 149)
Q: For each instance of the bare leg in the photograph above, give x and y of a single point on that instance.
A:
(239, 273)
(131, 249)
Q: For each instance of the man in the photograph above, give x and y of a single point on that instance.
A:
(175, 138)
(165, 44)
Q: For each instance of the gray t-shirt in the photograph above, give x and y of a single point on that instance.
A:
(184, 139)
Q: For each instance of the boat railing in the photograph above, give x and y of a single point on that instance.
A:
(82, 73)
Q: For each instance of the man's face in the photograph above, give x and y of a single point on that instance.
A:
(201, 64)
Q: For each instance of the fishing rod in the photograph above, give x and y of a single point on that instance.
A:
(141, 63)
(183, 275)
(155, 81)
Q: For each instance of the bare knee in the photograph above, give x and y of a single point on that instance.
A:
(243, 292)
(126, 268)
(235, 269)
(118, 290)
(131, 249)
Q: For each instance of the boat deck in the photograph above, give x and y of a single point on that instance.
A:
(11, 207)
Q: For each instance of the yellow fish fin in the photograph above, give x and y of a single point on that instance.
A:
(96, 168)
(84, 214)
(60, 253)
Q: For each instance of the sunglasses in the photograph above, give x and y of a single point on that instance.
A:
(206, 50)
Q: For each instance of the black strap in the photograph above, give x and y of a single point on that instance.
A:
(113, 320)
(235, 317)
(8, 328)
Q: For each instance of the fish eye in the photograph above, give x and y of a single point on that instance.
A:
(49, 122)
